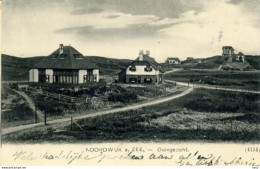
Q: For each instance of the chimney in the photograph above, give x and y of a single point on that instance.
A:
(148, 53)
(141, 55)
(61, 48)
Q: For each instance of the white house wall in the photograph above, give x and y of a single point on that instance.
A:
(81, 75)
(96, 72)
(173, 62)
(33, 75)
(140, 71)
(50, 73)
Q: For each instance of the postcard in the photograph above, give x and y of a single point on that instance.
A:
(130, 83)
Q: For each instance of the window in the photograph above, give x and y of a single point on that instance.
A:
(148, 69)
(132, 68)
(85, 78)
(65, 76)
(148, 80)
(44, 78)
(132, 80)
(54, 56)
(47, 78)
(77, 56)
(62, 56)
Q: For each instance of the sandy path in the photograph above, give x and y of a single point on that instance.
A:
(31, 104)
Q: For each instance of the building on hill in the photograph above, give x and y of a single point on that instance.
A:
(228, 53)
(230, 56)
(64, 65)
(172, 60)
(189, 58)
(143, 70)
(240, 57)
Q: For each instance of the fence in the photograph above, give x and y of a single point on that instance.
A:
(61, 97)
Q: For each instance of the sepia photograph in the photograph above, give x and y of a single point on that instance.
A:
(148, 72)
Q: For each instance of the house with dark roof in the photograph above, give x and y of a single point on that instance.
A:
(172, 60)
(240, 57)
(228, 53)
(143, 70)
(64, 65)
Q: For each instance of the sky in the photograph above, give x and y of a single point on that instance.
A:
(121, 28)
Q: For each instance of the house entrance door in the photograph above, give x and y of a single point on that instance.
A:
(139, 79)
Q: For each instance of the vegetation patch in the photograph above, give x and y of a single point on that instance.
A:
(234, 79)
(15, 109)
(178, 119)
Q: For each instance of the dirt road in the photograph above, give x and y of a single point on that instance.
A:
(211, 87)
(65, 120)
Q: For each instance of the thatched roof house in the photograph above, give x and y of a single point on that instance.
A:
(64, 65)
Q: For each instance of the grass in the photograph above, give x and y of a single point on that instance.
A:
(238, 79)
(222, 101)
(145, 124)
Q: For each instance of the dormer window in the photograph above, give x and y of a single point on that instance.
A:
(132, 68)
(148, 69)
(62, 56)
(54, 56)
(77, 56)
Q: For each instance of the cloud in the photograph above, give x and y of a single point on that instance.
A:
(235, 1)
(112, 27)
(206, 32)
(142, 30)
(87, 11)
(112, 16)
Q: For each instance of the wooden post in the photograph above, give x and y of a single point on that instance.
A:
(71, 123)
(35, 113)
(231, 125)
(45, 118)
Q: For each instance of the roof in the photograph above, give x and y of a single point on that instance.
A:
(147, 60)
(227, 47)
(150, 60)
(173, 58)
(189, 58)
(70, 58)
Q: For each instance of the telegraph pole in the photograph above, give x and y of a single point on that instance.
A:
(35, 113)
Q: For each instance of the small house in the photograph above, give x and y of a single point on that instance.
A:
(172, 60)
(240, 57)
(143, 70)
(228, 53)
(64, 65)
